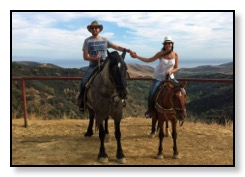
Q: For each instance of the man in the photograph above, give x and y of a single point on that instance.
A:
(95, 51)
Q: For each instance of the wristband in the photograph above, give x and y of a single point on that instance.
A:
(127, 50)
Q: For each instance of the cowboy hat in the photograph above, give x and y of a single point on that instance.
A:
(95, 24)
(167, 39)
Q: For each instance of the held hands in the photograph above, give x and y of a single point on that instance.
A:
(133, 54)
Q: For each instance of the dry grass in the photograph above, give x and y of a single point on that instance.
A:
(61, 142)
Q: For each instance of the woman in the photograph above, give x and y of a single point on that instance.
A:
(167, 66)
(95, 51)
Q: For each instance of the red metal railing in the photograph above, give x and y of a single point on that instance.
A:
(24, 78)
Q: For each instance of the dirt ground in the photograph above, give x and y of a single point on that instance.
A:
(61, 142)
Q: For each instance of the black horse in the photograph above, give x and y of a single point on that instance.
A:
(104, 99)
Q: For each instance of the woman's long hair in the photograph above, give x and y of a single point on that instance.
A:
(163, 49)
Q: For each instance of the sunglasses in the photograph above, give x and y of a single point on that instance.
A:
(167, 43)
(96, 27)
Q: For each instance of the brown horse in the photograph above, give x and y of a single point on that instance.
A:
(169, 106)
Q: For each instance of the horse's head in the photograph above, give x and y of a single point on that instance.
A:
(179, 103)
(118, 71)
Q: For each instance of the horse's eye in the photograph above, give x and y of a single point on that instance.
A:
(119, 65)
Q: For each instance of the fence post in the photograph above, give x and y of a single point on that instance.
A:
(24, 101)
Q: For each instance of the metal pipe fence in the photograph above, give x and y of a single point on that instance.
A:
(24, 78)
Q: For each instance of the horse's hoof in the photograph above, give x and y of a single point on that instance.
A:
(88, 134)
(160, 156)
(103, 159)
(121, 161)
(176, 156)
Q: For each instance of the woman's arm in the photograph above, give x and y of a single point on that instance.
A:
(175, 69)
(154, 58)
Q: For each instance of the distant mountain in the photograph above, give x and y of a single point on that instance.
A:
(137, 70)
(226, 68)
(27, 63)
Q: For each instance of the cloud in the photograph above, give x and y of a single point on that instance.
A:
(60, 34)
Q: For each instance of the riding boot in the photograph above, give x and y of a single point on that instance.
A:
(148, 113)
(80, 102)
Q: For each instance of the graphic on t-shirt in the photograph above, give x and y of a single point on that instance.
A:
(97, 47)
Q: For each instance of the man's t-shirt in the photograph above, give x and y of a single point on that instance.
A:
(96, 46)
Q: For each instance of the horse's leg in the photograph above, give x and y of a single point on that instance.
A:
(120, 155)
(90, 132)
(174, 135)
(106, 126)
(161, 136)
(107, 136)
(102, 157)
(167, 132)
(153, 123)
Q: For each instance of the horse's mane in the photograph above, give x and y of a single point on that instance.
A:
(109, 60)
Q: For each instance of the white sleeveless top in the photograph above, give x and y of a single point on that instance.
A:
(162, 68)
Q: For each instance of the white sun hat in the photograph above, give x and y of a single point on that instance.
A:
(167, 39)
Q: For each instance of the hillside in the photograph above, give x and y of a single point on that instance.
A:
(57, 99)
(136, 70)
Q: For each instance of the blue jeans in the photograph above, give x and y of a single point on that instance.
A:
(152, 92)
(86, 77)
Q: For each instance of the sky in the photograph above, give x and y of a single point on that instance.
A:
(59, 35)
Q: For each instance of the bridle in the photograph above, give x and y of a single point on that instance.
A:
(183, 107)
(121, 70)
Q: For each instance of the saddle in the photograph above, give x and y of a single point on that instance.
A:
(159, 90)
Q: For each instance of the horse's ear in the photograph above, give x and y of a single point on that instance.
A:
(108, 53)
(183, 84)
(123, 54)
